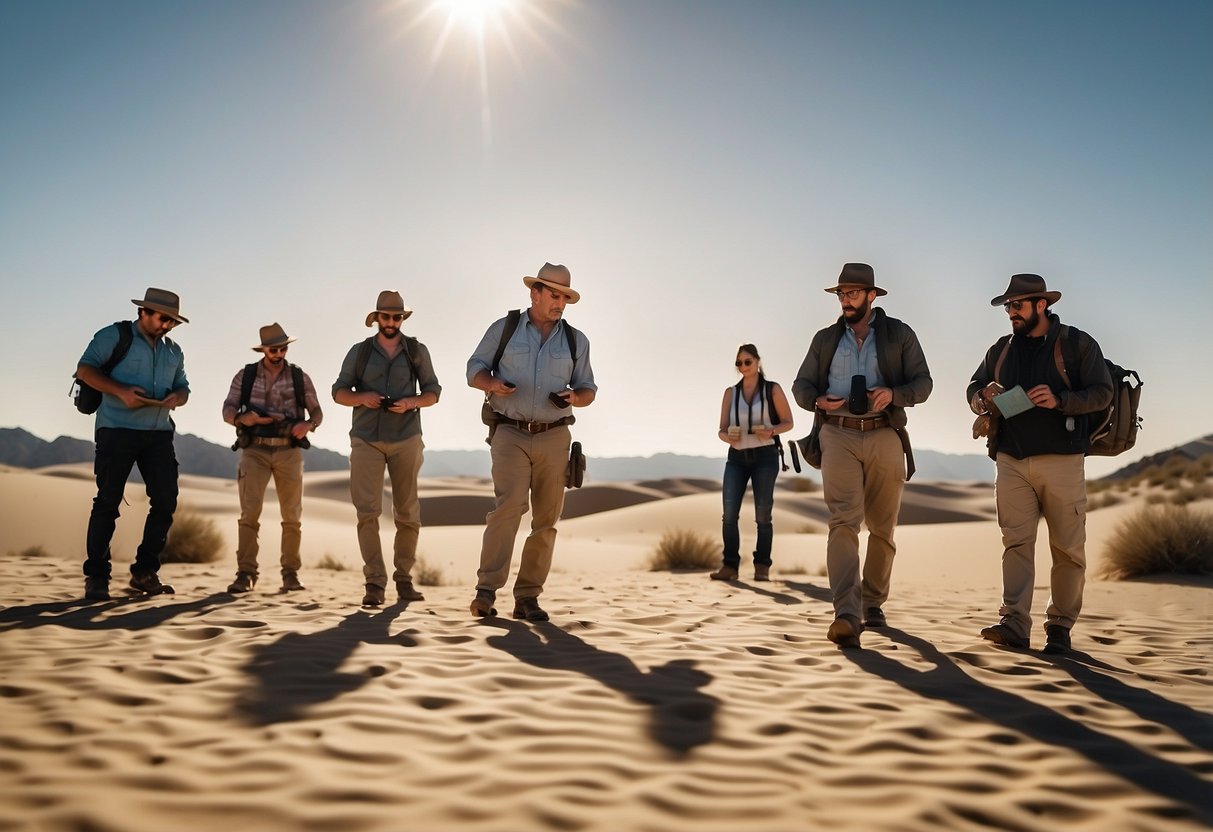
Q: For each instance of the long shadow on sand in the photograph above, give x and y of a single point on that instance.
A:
(302, 669)
(817, 593)
(681, 716)
(89, 615)
(778, 597)
(948, 683)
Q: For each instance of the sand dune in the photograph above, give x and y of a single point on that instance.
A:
(652, 701)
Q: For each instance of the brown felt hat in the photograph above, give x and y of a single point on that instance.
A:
(556, 278)
(857, 276)
(164, 301)
(390, 302)
(1026, 286)
(273, 336)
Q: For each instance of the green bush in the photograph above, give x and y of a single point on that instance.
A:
(1160, 541)
(192, 539)
(684, 549)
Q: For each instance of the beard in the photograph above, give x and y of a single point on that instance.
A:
(276, 361)
(1027, 324)
(389, 331)
(854, 316)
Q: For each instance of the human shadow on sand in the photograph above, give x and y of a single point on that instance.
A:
(817, 593)
(78, 614)
(778, 597)
(303, 669)
(681, 716)
(946, 682)
(1194, 726)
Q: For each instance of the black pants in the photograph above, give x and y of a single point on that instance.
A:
(119, 450)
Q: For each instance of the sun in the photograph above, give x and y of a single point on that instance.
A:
(474, 14)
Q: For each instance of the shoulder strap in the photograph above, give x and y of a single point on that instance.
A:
(1002, 358)
(246, 384)
(571, 335)
(1063, 334)
(771, 403)
(297, 380)
(126, 334)
(511, 325)
(364, 356)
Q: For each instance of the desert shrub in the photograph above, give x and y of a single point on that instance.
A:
(1096, 486)
(426, 573)
(331, 563)
(1158, 541)
(684, 549)
(811, 528)
(31, 552)
(1190, 494)
(1156, 499)
(1103, 501)
(1199, 469)
(192, 539)
(801, 485)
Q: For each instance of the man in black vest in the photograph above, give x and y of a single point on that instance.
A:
(270, 425)
(859, 375)
(1039, 445)
(387, 379)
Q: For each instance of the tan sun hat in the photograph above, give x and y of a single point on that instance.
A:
(273, 336)
(390, 302)
(164, 301)
(556, 278)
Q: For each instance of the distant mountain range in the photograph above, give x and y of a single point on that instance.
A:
(20, 448)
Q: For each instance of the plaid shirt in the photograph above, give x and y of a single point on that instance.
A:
(276, 399)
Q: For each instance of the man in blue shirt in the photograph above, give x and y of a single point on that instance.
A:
(134, 427)
(873, 365)
(530, 448)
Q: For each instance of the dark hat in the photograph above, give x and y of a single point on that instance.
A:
(556, 278)
(390, 302)
(273, 336)
(857, 276)
(1026, 286)
(164, 301)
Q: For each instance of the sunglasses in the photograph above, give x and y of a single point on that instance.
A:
(165, 319)
(745, 362)
(384, 316)
(275, 350)
(1016, 305)
(850, 294)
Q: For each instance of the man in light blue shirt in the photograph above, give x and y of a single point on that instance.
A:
(541, 373)
(134, 427)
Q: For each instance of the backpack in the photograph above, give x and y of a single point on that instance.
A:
(1113, 430)
(364, 357)
(244, 435)
(88, 398)
(489, 416)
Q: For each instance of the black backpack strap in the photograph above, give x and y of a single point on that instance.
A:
(571, 335)
(126, 334)
(410, 355)
(364, 356)
(511, 325)
(246, 385)
(300, 396)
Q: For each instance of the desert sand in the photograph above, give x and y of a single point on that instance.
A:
(651, 701)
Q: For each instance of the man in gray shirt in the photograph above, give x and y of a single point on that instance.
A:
(387, 379)
(530, 448)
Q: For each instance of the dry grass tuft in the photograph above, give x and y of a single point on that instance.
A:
(1185, 494)
(331, 563)
(427, 574)
(801, 485)
(1161, 541)
(192, 539)
(1103, 500)
(684, 549)
(31, 552)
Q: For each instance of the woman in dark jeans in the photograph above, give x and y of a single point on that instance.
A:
(752, 413)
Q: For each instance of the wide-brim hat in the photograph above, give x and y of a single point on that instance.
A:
(556, 278)
(164, 301)
(857, 276)
(1026, 286)
(273, 336)
(390, 302)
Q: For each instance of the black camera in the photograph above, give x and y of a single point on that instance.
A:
(555, 399)
(857, 403)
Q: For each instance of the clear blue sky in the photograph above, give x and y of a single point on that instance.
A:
(704, 169)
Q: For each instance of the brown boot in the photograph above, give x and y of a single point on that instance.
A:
(373, 597)
(406, 591)
(482, 605)
(290, 581)
(244, 582)
(762, 572)
(724, 573)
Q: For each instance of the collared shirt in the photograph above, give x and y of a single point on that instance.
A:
(536, 367)
(278, 399)
(393, 378)
(158, 368)
(851, 359)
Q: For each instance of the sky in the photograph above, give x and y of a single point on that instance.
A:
(703, 168)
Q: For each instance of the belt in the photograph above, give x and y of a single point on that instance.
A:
(859, 424)
(531, 427)
(272, 441)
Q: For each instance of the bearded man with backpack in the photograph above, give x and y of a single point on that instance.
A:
(140, 374)
(273, 406)
(387, 379)
(1038, 403)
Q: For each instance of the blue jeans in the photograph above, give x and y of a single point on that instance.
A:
(118, 451)
(759, 466)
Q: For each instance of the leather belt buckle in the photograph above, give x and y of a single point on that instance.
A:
(536, 427)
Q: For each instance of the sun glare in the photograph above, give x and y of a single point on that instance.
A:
(475, 14)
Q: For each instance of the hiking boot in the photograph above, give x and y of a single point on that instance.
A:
(373, 597)
(1057, 640)
(482, 604)
(762, 572)
(845, 632)
(407, 591)
(290, 581)
(244, 582)
(724, 573)
(96, 589)
(874, 617)
(529, 609)
(149, 584)
(1005, 636)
